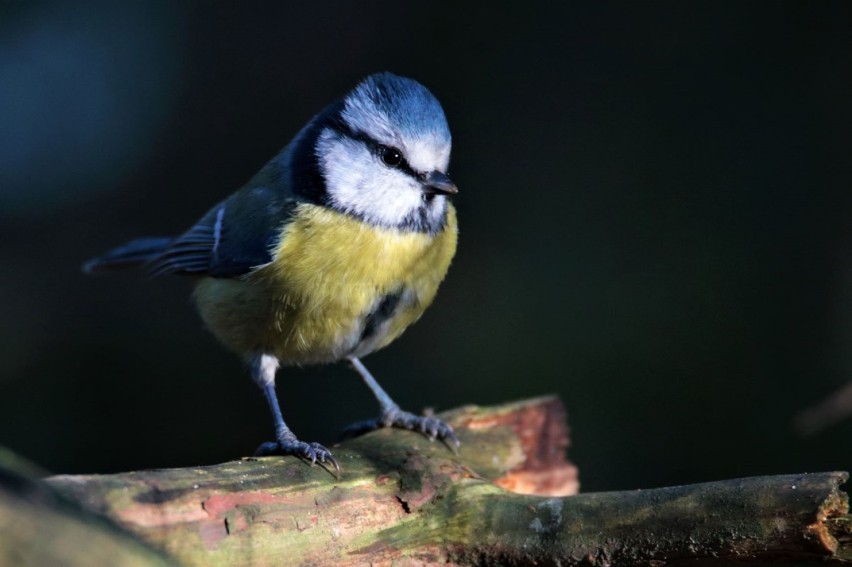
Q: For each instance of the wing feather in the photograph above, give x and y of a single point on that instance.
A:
(238, 234)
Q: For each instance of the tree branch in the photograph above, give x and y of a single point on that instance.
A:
(401, 499)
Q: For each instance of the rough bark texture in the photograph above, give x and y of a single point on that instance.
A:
(404, 501)
(39, 527)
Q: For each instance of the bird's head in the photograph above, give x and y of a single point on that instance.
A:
(382, 154)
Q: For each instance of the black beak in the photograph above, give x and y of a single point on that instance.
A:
(438, 183)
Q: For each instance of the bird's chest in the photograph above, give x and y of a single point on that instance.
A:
(345, 287)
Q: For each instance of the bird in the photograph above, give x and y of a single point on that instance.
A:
(329, 252)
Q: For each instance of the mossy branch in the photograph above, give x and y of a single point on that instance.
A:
(505, 499)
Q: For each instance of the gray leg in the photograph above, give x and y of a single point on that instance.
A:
(392, 416)
(263, 369)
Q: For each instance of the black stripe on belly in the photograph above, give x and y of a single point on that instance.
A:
(383, 311)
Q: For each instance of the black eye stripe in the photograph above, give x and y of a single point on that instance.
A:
(376, 148)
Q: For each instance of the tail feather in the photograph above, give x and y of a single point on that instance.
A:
(131, 255)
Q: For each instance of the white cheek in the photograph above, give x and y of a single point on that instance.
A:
(389, 198)
(345, 165)
(357, 183)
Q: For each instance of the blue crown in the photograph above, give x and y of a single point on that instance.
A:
(409, 106)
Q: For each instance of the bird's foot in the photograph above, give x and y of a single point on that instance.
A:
(289, 445)
(432, 427)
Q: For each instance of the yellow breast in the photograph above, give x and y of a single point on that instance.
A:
(337, 286)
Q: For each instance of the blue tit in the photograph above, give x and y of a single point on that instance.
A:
(330, 252)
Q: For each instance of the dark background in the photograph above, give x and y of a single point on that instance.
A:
(654, 215)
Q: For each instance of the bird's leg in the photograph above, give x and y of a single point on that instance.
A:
(263, 369)
(392, 416)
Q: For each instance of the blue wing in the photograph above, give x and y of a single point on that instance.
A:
(238, 234)
(241, 232)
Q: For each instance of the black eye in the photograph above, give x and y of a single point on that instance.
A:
(391, 157)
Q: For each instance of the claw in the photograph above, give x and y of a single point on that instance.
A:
(333, 461)
(430, 427)
(312, 452)
(451, 441)
(433, 431)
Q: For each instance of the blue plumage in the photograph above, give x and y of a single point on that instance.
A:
(134, 253)
(409, 105)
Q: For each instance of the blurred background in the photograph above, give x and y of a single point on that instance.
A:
(654, 215)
